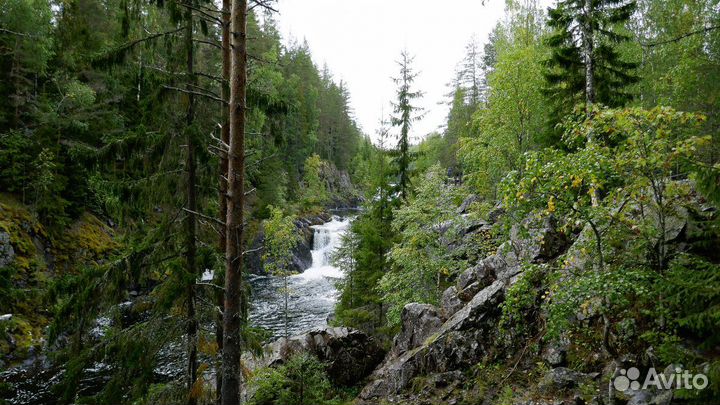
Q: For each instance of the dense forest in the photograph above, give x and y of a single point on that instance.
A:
(558, 236)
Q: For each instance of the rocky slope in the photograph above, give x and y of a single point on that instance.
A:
(458, 353)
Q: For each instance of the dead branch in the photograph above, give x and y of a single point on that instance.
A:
(681, 37)
(197, 93)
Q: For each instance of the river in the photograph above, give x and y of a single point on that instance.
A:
(312, 293)
(311, 301)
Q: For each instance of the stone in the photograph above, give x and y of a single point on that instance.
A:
(459, 343)
(675, 223)
(495, 214)
(349, 355)
(419, 321)
(465, 206)
(469, 292)
(7, 253)
(555, 354)
(482, 275)
(538, 242)
(561, 378)
(474, 226)
(450, 302)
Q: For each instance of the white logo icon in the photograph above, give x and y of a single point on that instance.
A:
(630, 380)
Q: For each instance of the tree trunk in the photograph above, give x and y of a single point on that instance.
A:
(223, 175)
(232, 315)
(588, 50)
(190, 220)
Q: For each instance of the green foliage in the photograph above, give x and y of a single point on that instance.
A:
(281, 237)
(505, 127)
(406, 112)
(362, 258)
(314, 192)
(682, 73)
(300, 381)
(420, 259)
(362, 255)
(691, 300)
(613, 294)
(521, 304)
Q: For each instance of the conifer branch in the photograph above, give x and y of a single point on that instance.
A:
(132, 44)
(209, 218)
(202, 13)
(206, 42)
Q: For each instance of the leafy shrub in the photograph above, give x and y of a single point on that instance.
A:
(521, 304)
(301, 381)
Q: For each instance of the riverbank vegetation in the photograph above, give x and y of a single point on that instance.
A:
(577, 118)
(117, 164)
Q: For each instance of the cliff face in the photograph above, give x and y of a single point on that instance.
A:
(437, 346)
(462, 353)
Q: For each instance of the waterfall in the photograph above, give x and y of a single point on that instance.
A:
(326, 239)
(312, 293)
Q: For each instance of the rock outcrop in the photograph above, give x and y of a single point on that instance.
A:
(439, 342)
(419, 321)
(456, 344)
(348, 354)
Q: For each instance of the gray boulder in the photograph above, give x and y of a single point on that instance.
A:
(457, 344)
(495, 214)
(7, 253)
(349, 355)
(450, 302)
(419, 321)
(465, 206)
(482, 275)
(563, 378)
(555, 353)
(537, 242)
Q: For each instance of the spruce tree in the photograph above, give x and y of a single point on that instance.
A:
(405, 114)
(586, 65)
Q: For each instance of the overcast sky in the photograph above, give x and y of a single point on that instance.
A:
(360, 40)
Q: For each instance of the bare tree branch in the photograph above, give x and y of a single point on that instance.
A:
(203, 13)
(206, 42)
(210, 285)
(264, 4)
(252, 250)
(681, 37)
(20, 34)
(197, 93)
(147, 38)
(203, 216)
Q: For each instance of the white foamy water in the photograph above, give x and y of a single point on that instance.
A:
(312, 293)
(326, 239)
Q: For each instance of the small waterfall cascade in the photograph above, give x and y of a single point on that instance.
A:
(312, 293)
(326, 239)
